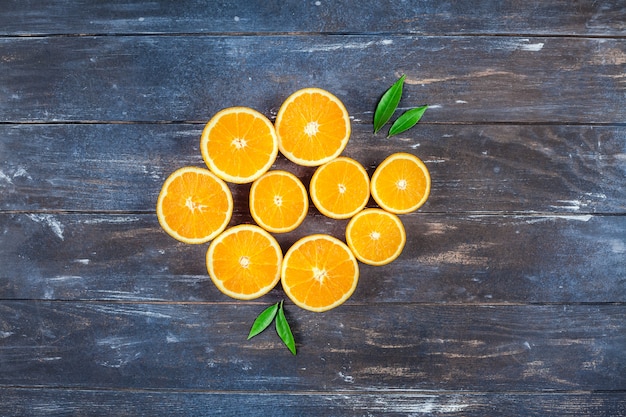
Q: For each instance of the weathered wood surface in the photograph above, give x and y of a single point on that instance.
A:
(509, 299)
(391, 347)
(475, 168)
(60, 402)
(189, 78)
(474, 259)
(563, 17)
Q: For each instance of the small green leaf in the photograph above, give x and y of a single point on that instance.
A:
(283, 330)
(408, 119)
(263, 320)
(388, 104)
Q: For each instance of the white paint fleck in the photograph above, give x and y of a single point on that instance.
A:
(4, 177)
(53, 358)
(116, 219)
(573, 205)
(346, 378)
(236, 19)
(318, 3)
(4, 335)
(129, 311)
(618, 246)
(461, 102)
(415, 146)
(62, 278)
(549, 217)
(435, 106)
(420, 405)
(170, 338)
(48, 294)
(21, 172)
(435, 161)
(533, 47)
(82, 261)
(347, 45)
(601, 196)
(527, 345)
(49, 220)
(141, 19)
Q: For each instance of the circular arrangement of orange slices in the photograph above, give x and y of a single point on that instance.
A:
(318, 272)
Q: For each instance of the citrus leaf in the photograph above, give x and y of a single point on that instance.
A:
(388, 104)
(408, 119)
(263, 320)
(283, 330)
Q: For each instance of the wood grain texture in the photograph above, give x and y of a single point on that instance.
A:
(351, 348)
(560, 17)
(461, 259)
(475, 168)
(190, 78)
(509, 299)
(61, 402)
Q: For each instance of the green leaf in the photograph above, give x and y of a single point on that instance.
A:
(263, 320)
(408, 119)
(283, 330)
(388, 104)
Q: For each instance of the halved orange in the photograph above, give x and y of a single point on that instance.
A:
(319, 272)
(375, 236)
(401, 183)
(278, 201)
(312, 126)
(239, 144)
(340, 188)
(244, 262)
(194, 205)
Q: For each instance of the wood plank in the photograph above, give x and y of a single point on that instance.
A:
(351, 348)
(560, 17)
(476, 168)
(182, 78)
(61, 402)
(460, 259)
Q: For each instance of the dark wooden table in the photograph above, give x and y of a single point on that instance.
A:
(509, 299)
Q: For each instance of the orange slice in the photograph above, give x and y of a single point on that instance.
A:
(340, 188)
(319, 272)
(239, 144)
(194, 205)
(244, 262)
(375, 236)
(278, 201)
(312, 126)
(401, 183)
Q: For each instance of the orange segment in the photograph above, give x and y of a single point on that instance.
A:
(194, 205)
(312, 126)
(340, 188)
(401, 183)
(278, 201)
(376, 236)
(244, 262)
(239, 144)
(319, 272)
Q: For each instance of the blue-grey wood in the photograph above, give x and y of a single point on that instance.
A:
(469, 259)
(353, 348)
(37, 402)
(474, 168)
(475, 79)
(509, 298)
(556, 17)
